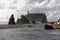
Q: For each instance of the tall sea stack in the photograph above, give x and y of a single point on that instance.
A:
(12, 20)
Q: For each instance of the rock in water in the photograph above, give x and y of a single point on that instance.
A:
(29, 26)
(11, 20)
(48, 27)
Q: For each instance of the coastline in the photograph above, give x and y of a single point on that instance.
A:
(5, 26)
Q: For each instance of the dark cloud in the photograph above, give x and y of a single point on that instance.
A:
(50, 7)
(31, 1)
(43, 9)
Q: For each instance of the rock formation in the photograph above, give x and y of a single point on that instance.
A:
(48, 27)
(11, 20)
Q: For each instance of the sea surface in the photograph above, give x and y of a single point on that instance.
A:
(29, 34)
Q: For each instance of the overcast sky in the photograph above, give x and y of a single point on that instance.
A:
(20, 7)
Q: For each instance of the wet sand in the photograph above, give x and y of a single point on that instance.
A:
(22, 26)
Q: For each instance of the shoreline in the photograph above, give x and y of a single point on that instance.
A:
(5, 26)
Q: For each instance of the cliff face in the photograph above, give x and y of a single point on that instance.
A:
(11, 20)
(23, 20)
(37, 17)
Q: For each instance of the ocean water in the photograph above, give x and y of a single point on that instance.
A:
(29, 34)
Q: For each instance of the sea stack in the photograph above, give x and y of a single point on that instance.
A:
(12, 20)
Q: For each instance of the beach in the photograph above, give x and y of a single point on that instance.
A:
(37, 32)
(2, 26)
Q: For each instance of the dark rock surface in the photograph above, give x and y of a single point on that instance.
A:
(48, 27)
(11, 20)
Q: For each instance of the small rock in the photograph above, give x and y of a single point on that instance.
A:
(29, 26)
(48, 27)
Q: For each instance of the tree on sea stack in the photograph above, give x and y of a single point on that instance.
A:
(12, 20)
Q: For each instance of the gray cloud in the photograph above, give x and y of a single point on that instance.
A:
(50, 7)
(31, 1)
(2, 6)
